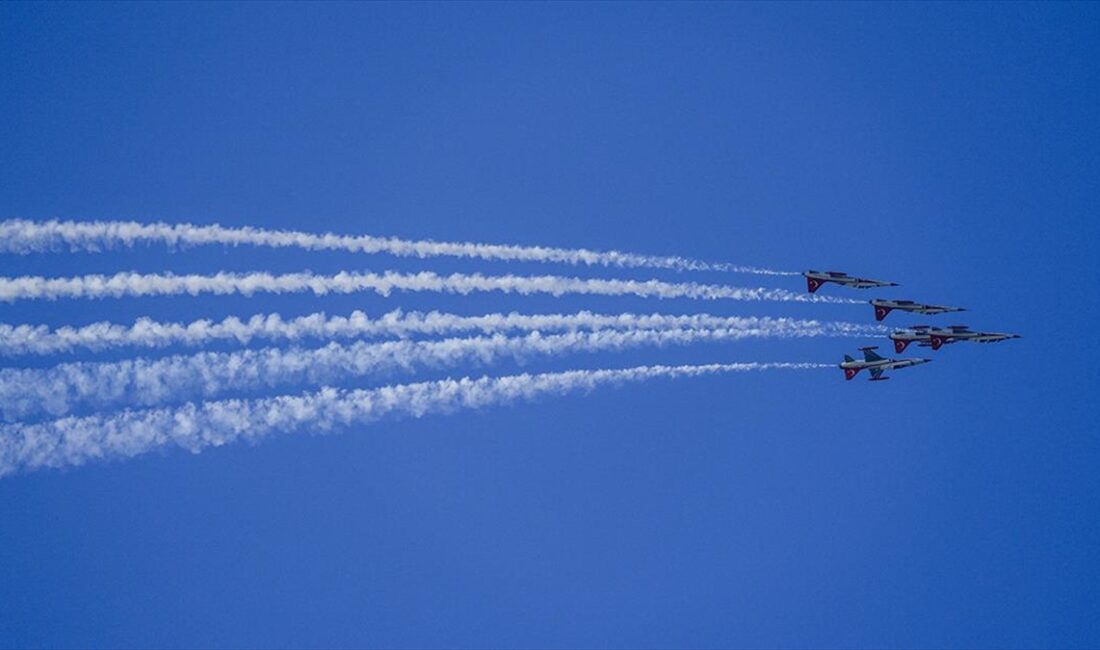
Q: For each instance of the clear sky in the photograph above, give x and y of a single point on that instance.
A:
(951, 148)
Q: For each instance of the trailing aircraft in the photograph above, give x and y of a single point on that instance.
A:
(814, 280)
(875, 364)
(883, 307)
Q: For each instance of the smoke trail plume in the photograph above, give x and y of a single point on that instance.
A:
(148, 333)
(23, 236)
(154, 284)
(62, 389)
(74, 441)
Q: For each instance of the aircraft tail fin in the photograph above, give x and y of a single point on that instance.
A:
(880, 312)
(848, 357)
(937, 342)
(849, 373)
(813, 284)
(870, 355)
(899, 346)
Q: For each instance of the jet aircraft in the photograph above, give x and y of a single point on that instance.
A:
(883, 307)
(937, 337)
(875, 364)
(814, 280)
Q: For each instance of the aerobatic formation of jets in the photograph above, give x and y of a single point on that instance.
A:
(923, 335)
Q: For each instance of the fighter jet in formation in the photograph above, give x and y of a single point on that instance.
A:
(814, 280)
(937, 337)
(883, 307)
(875, 364)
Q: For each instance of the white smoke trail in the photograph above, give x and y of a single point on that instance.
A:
(56, 391)
(145, 332)
(154, 284)
(24, 236)
(76, 440)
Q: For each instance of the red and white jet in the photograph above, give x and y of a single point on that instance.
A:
(875, 364)
(937, 337)
(814, 280)
(883, 307)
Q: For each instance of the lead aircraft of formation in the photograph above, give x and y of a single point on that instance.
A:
(937, 337)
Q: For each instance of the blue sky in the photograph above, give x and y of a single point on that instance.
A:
(951, 148)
